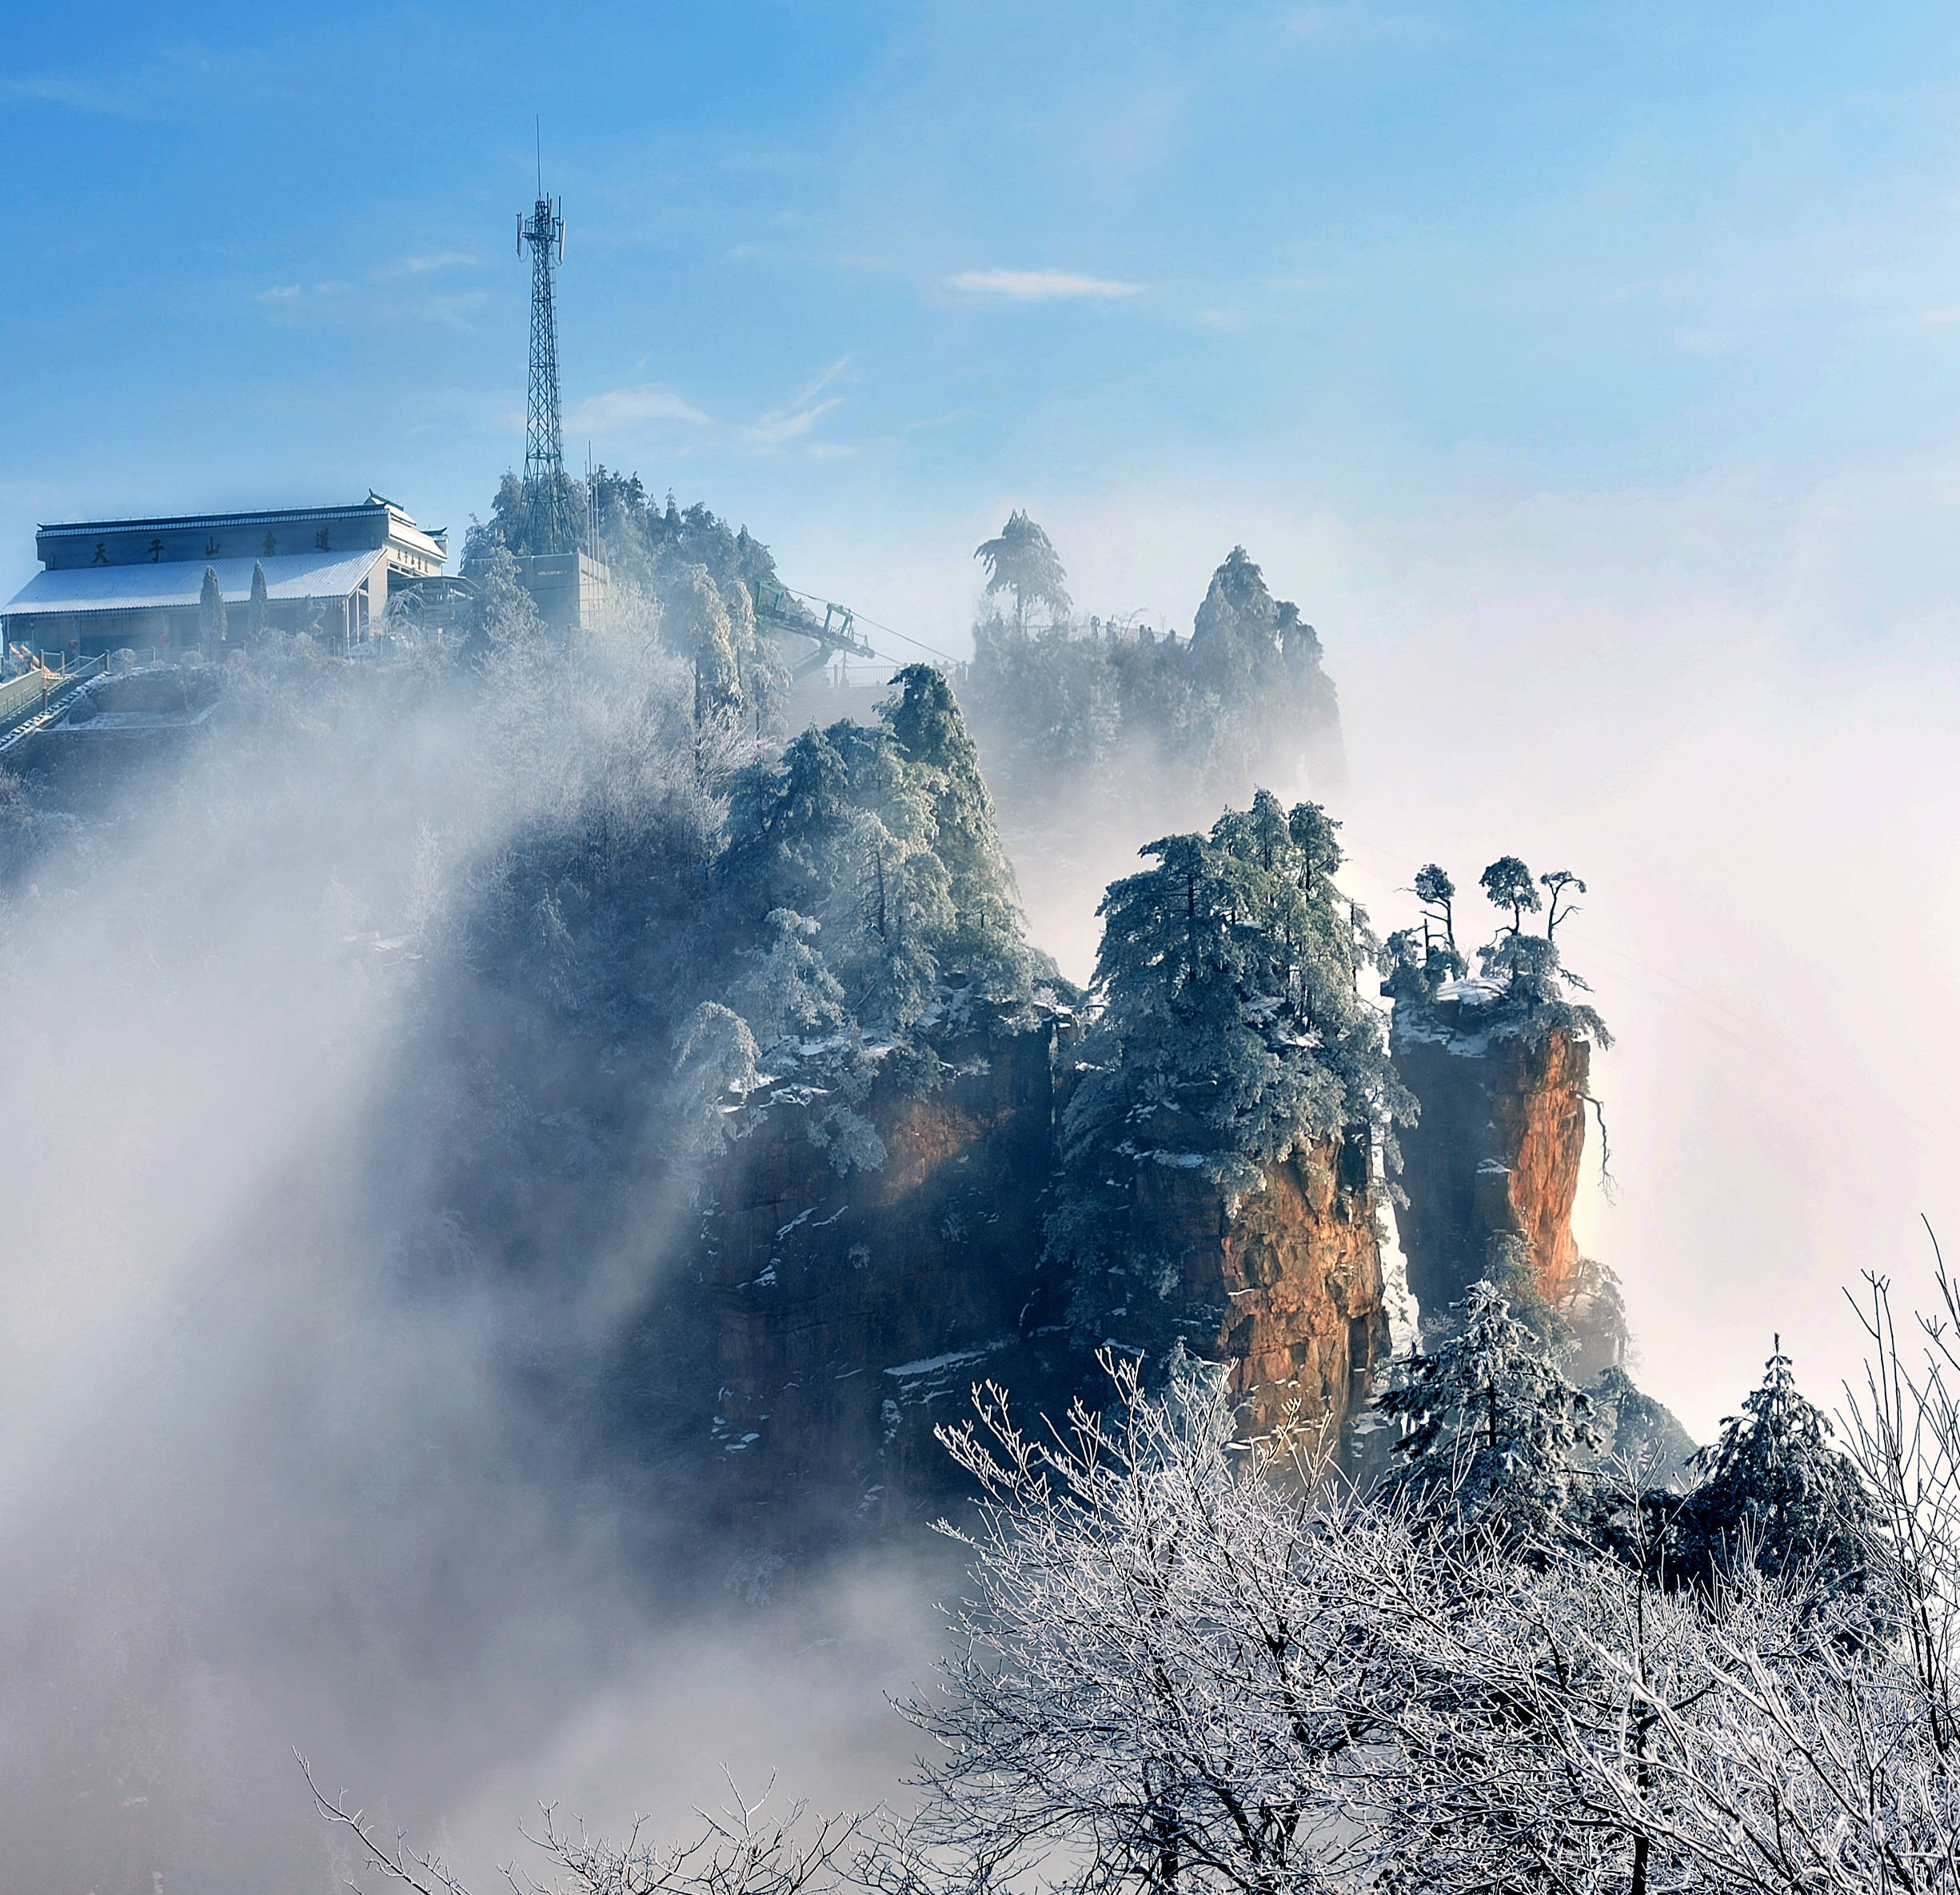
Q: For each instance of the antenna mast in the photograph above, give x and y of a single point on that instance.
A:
(548, 503)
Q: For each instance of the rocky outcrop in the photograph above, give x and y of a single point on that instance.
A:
(1492, 1166)
(852, 1313)
(1285, 1283)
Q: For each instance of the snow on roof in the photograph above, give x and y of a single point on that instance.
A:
(181, 582)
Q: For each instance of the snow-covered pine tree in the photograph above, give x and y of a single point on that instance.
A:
(1642, 1436)
(1495, 1437)
(1022, 561)
(1232, 1036)
(1774, 1490)
(790, 994)
(210, 612)
(884, 835)
(986, 924)
(256, 609)
(1523, 977)
(697, 623)
(867, 891)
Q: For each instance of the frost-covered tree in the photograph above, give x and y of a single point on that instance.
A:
(841, 832)
(255, 610)
(1437, 893)
(1642, 1436)
(1160, 1676)
(715, 1063)
(507, 620)
(210, 612)
(1774, 1490)
(1081, 722)
(1506, 883)
(1170, 1674)
(738, 1850)
(1494, 1438)
(1561, 883)
(1415, 965)
(1525, 976)
(1234, 640)
(791, 994)
(924, 720)
(700, 574)
(697, 624)
(882, 903)
(1230, 1023)
(1020, 559)
(1231, 1036)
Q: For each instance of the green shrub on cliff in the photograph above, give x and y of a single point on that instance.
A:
(1231, 1034)
(865, 893)
(882, 839)
(1521, 990)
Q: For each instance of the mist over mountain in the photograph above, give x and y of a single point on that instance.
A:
(1099, 732)
(540, 1135)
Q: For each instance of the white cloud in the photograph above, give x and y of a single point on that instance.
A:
(823, 382)
(627, 407)
(784, 425)
(441, 260)
(160, 86)
(1038, 286)
(114, 99)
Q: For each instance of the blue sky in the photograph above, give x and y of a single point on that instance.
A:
(835, 266)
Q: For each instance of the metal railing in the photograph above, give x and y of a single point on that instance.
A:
(27, 698)
(30, 688)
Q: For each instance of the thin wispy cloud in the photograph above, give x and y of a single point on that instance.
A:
(794, 421)
(615, 408)
(111, 99)
(288, 298)
(292, 303)
(156, 89)
(824, 378)
(951, 418)
(1039, 285)
(782, 425)
(423, 267)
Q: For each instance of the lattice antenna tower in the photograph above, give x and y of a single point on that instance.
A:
(547, 495)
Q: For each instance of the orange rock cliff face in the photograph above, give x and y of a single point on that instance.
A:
(1292, 1274)
(852, 1313)
(1495, 1161)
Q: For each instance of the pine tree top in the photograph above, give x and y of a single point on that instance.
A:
(1232, 1026)
(1774, 1489)
(1495, 1437)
